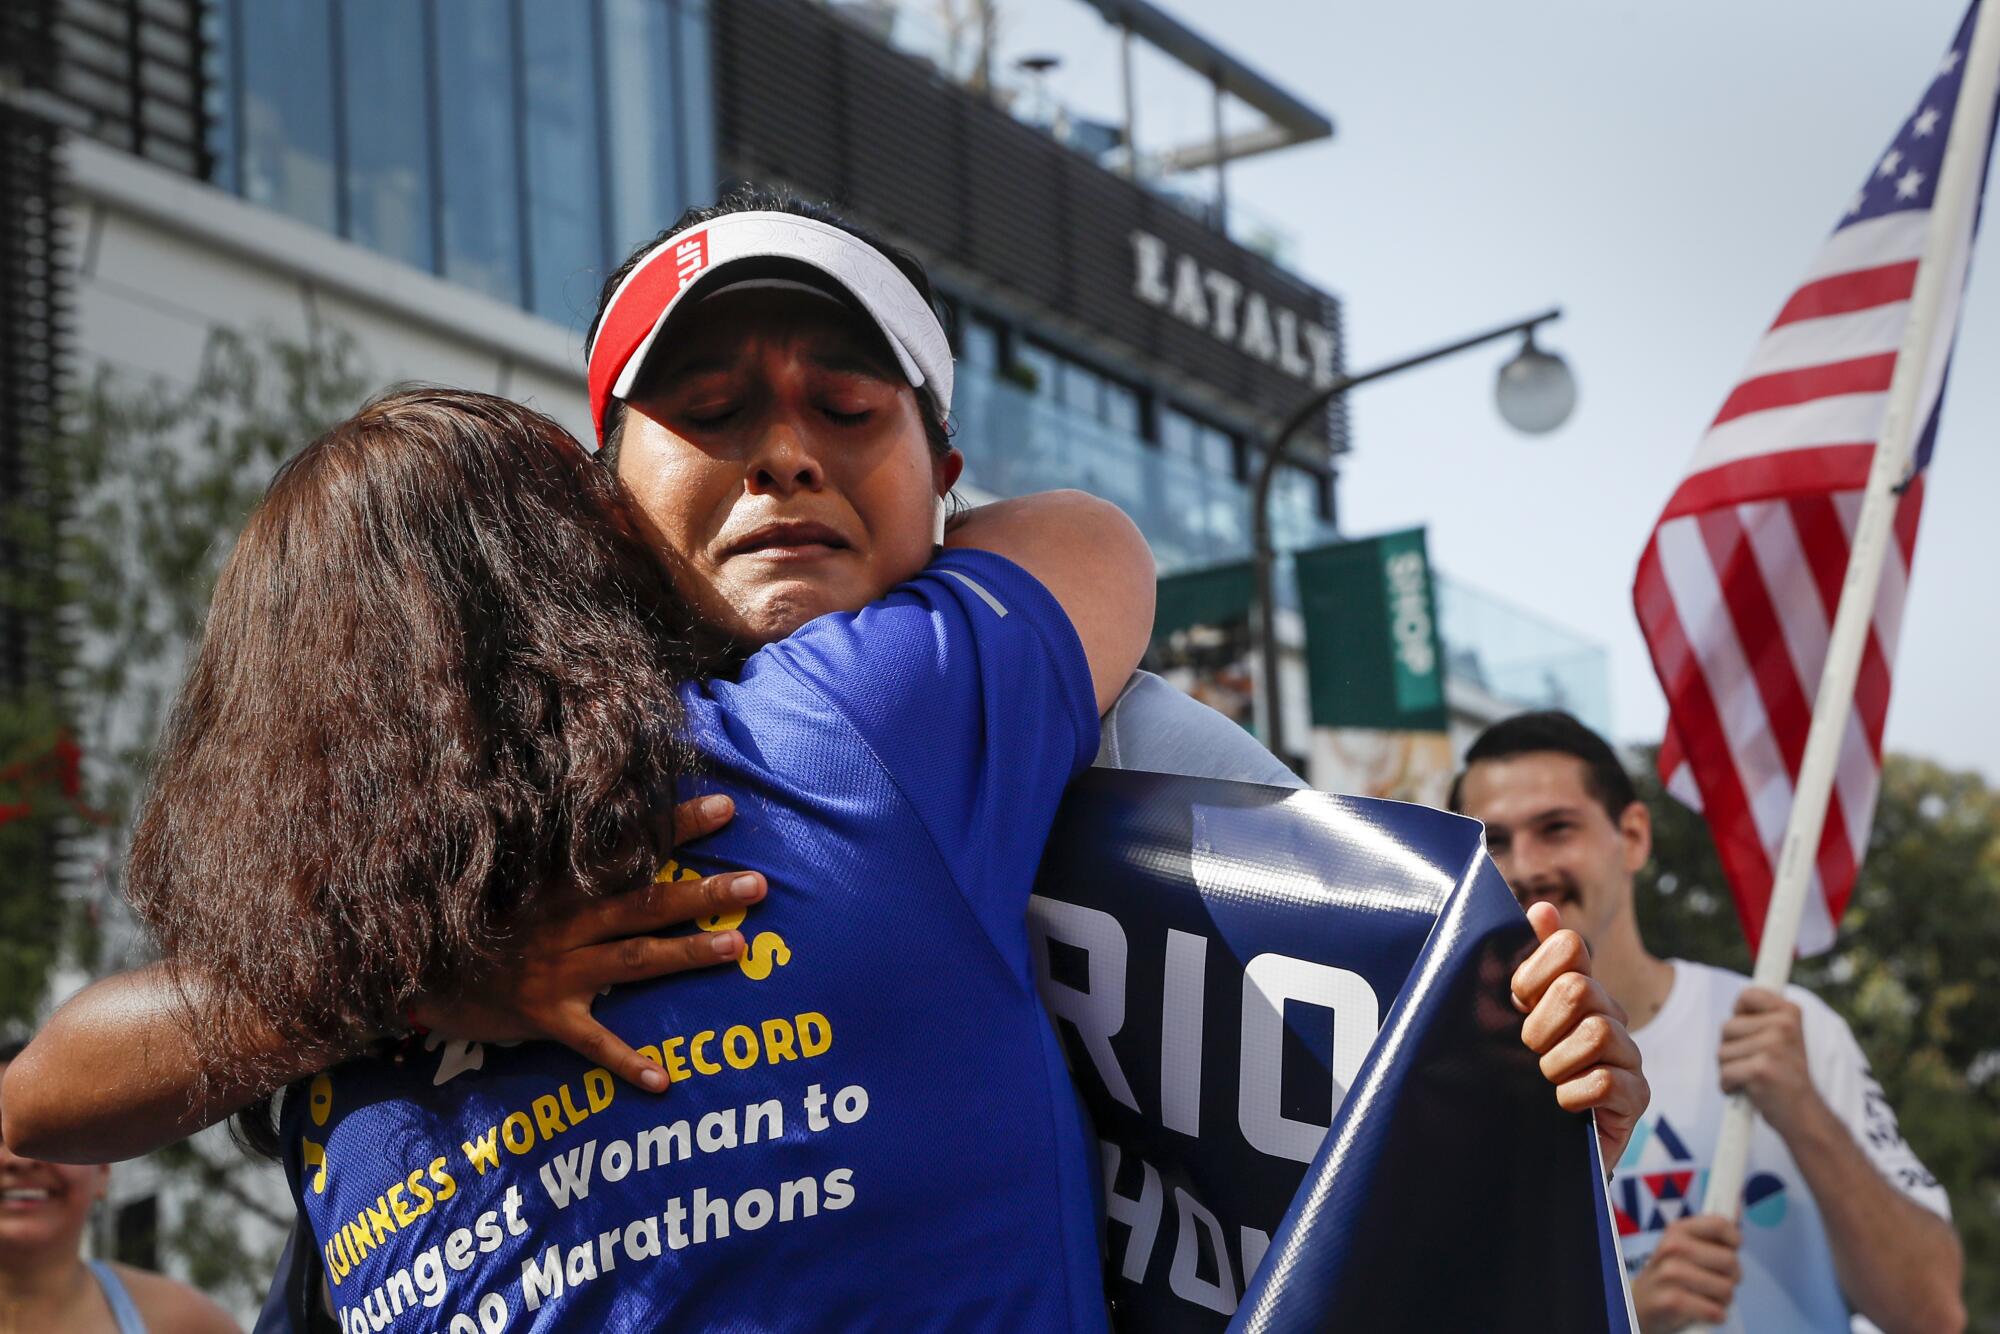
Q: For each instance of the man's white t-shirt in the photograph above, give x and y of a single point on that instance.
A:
(1788, 1276)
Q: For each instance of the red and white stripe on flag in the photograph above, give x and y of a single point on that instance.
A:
(1737, 588)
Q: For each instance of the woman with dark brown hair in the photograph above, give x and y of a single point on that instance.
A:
(446, 689)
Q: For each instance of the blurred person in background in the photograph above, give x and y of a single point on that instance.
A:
(1842, 1224)
(47, 1287)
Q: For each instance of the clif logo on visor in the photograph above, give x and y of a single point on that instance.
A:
(690, 258)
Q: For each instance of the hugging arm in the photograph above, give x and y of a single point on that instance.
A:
(115, 1073)
(1091, 557)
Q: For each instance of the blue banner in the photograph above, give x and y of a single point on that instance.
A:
(1219, 958)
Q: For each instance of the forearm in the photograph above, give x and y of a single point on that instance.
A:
(1899, 1264)
(115, 1073)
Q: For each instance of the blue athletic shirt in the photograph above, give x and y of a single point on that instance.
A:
(870, 1125)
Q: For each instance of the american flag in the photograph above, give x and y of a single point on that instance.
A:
(1737, 588)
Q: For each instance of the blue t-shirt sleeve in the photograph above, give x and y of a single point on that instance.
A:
(969, 686)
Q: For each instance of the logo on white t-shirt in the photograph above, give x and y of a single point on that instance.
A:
(1658, 1181)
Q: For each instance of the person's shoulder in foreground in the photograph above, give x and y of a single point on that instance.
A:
(1159, 729)
(171, 1307)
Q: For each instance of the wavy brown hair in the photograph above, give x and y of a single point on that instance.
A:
(437, 681)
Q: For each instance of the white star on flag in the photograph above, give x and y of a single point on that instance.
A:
(1951, 59)
(1909, 183)
(1890, 161)
(1860, 198)
(1926, 122)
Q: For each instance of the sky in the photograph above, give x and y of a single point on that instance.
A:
(1662, 172)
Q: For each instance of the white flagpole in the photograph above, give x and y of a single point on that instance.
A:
(1953, 211)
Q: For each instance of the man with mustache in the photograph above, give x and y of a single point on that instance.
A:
(1838, 1212)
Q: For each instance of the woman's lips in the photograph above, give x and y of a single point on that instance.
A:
(19, 1199)
(792, 551)
(788, 540)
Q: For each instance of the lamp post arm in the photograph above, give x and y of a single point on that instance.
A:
(1265, 556)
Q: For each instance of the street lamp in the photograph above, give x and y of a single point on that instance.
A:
(1535, 393)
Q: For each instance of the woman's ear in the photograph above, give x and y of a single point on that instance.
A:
(950, 465)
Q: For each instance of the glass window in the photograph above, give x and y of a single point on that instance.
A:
(479, 185)
(980, 344)
(287, 121)
(219, 87)
(388, 129)
(699, 176)
(1080, 390)
(560, 149)
(1323, 497)
(1040, 363)
(1180, 434)
(1219, 454)
(643, 123)
(1121, 407)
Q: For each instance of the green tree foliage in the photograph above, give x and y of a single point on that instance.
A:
(33, 913)
(162, 476)
(1916, 972)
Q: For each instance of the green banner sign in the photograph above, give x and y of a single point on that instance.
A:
(1201, 637)
(1373, 656)
(1218, 595)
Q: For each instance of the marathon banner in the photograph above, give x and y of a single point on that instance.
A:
(1219, 959)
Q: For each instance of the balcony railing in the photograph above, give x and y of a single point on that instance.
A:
(1520, 658)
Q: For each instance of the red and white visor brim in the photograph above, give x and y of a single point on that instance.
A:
(639, 308)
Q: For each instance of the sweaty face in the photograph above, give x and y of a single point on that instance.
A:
(1553, 840)
(778, 455)
(44, 1206)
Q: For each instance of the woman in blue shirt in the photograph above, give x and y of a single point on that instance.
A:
(443, 664)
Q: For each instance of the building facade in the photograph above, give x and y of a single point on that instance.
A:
(446, 183)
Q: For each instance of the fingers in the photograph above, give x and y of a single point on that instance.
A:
(1564, 1004)
(1544, 917)
(1757, 1000)
(599, 1045)
(1699, 1255)
(666, 903)
(1684, 1305)
(637, 958)
(1619, 1095)
(1691, 1275)
(1595, 1040)
(700, 816)
(1560, 952)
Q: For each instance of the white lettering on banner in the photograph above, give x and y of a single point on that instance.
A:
(1197, 1232)
(1180, 1031)
(1268, 982)
(1410, 613)
(1098, 1015)
(1185, 1277)
(1215, 303)
(1141, 1215)
(1099, 1012)
(1256, 1242)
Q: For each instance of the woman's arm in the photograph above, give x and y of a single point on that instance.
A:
(1091, 557)
(115, 1073)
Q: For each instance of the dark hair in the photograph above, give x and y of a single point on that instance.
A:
(437, 682)
(761, 199)
(11, 1051)
(1554, 731)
